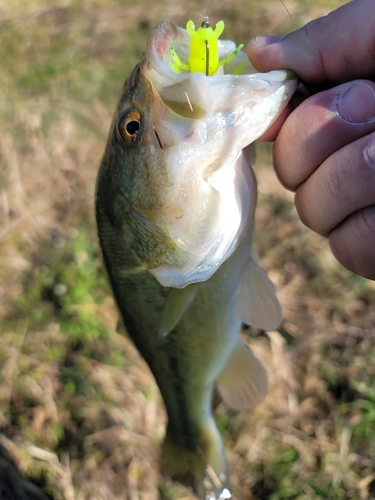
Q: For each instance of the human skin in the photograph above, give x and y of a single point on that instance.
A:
(324, 146)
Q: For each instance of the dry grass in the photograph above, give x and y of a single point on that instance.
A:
(79, 412)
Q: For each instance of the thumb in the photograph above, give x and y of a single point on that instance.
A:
(336, 48)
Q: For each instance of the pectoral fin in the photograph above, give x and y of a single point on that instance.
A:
(257, 302)
(178, 300)
(244, 383)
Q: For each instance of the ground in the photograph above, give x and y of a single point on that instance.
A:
(80, 415)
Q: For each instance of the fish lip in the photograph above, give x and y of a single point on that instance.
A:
(278, 75)
(162, 37)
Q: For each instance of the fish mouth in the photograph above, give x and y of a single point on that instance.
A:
(189, 94)
(166, 36)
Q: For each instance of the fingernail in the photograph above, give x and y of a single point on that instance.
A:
(263, 41)
(357, 104)
(369, 152)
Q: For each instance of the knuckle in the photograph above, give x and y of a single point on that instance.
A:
(353, 242)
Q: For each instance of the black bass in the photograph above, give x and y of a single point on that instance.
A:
(175, 203)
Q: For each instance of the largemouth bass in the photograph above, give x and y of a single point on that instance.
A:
(175, 203)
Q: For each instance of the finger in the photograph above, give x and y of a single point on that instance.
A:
(342, 185)
(353, 243)
(321, 125)
(339, 47)
(272, 132)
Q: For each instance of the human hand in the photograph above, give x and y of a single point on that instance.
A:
(325, 148)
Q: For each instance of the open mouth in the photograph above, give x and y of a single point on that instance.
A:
(183, 84)
(188, 89)
(196, 50)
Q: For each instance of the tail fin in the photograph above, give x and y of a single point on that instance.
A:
(204, 467)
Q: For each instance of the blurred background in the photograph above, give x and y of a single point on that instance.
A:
(80, 414)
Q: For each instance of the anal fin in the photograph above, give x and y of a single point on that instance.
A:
(244, 383)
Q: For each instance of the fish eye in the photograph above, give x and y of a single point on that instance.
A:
(129, 126)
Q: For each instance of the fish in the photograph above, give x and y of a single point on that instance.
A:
(175, 203)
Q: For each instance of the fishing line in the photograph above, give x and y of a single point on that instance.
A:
(206, 16)
(286, 8)
(206, 19)
(208, 8)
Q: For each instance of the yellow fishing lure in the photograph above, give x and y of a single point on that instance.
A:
(204, 50)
